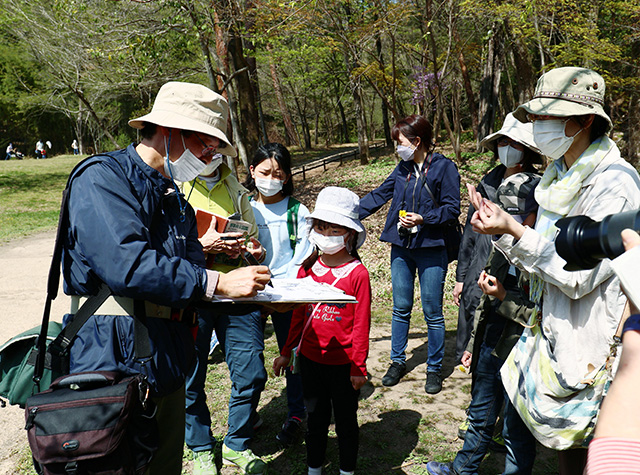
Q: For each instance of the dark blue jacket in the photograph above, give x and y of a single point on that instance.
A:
(408, 192)
(125, 230)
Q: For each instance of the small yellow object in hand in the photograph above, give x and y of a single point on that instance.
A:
(402, 213)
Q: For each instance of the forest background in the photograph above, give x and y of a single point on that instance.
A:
(307, 73)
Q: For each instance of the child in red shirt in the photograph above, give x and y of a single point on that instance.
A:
(332, 339)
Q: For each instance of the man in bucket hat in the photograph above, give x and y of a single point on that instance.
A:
(129, 229)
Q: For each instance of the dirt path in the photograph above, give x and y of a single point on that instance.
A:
(25, 267)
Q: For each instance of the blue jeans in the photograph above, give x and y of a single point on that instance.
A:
(242, 340)
(295, 401)
(431, 264)
(487, 397)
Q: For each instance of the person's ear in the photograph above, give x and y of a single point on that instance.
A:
(252, 171)
(165, 131)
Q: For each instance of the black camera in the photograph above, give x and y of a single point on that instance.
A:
(583, 242)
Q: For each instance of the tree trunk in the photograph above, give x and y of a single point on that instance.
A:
(244, 93)
(466, 81)
(385, 109)
(290, 130)
(490, 85)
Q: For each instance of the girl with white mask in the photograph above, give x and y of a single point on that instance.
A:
(332, 340)
(283, 229)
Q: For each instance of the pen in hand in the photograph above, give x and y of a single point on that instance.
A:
(252, 261)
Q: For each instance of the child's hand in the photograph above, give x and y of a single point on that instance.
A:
(358, 381)
(491, 286)
(279, 364)
(466, 359)
(255, 248)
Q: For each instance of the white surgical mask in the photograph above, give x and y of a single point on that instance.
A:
(268, 187)
(510, 156)
(550, 137)
(405, 153)
(212, 166)
(327, 244)
(185, 168)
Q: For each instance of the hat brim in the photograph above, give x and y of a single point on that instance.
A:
(177, 121)
(341, 220)
(558, 108)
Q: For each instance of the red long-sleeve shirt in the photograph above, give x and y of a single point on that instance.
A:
(338, 333)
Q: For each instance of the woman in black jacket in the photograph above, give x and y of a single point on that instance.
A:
(514, 146)
(425, 193)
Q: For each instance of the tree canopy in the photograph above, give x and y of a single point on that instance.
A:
(305, 72)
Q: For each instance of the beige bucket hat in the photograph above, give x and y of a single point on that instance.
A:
(515, 130)
(193, 107)
(564, 92)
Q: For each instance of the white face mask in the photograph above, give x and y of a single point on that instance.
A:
(327, 244)
(185, 168)
(405, 153)
(268, 187)
(510, 156)
(210, 168)
(550, 137)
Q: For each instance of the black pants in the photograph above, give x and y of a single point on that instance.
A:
(327, 387)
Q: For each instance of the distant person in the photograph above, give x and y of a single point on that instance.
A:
(283, 229)
(74, 146)
(332, 340)
(10, 151)
(40, 151)
(415, 227)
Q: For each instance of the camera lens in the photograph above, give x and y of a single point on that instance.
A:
(583, 242)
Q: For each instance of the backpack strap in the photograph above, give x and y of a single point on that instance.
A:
(292, 221)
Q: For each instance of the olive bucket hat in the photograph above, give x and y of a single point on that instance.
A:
(565, 92)
(194, 107)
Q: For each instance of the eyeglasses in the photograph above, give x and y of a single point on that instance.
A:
(534, 117)
(208, 150)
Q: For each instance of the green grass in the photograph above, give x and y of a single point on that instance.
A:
(30, 194)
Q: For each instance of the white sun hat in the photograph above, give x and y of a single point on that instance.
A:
(192, 107)
(515, 130)
(340, 206)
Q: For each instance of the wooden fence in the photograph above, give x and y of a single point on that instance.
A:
(322, 162)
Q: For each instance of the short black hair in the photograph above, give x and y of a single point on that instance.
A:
(148, 130)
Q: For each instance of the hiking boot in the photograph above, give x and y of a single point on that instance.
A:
(462, 429)
(394, 373)
(245, 460)
(437, 468)
(204, 463)
(434, 383)
(291, 431)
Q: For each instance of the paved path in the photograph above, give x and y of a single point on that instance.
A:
(24, 267)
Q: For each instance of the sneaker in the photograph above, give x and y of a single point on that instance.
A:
(496, 444)
(394, 373)
(204, 463)
(462, 429)
(437, 468)
(434, 383)
(291, 431)
(245, 460)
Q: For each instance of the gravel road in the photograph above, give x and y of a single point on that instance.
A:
(24, 267)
